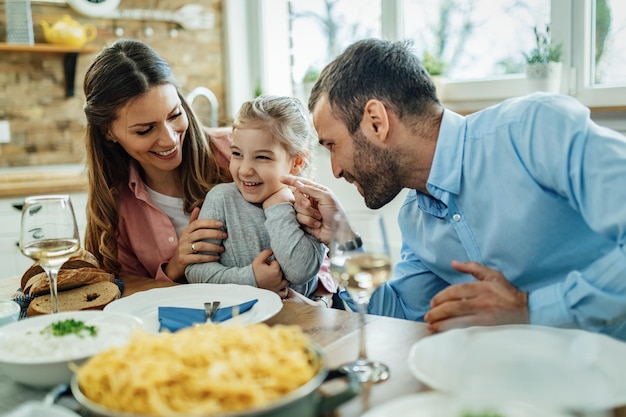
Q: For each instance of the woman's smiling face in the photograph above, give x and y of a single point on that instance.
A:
(151, 129)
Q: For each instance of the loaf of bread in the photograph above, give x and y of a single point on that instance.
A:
(67, 279)
(88, 297)
(82, 259)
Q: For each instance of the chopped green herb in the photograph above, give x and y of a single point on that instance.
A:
(69, 326)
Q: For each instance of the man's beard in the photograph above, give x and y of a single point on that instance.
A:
(376, 171)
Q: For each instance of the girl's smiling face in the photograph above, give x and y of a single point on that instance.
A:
(258, 161)
(151, 129)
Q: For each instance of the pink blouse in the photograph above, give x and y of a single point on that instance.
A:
(147, 238)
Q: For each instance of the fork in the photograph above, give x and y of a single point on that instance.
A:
(210, 308)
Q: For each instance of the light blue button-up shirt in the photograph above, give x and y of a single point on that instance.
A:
(533, 188)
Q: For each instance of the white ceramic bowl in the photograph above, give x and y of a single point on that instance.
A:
(9, 312)
(43, 360)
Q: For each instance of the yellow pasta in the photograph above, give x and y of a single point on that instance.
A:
(201, 370)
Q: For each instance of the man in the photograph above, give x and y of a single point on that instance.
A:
(516, 214)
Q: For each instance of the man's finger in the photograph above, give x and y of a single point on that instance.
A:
(454, 323)
(475, 269)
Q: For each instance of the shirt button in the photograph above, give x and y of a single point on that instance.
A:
(456, 217)
(170, 239)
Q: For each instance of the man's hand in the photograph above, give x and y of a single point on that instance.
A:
(492, 300)
(315, 206)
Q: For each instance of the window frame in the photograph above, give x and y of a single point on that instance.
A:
(250, 25)
(579, 76)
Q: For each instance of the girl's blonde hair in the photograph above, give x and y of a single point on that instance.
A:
(287, 121)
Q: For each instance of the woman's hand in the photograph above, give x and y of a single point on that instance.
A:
(192, 248)
(268, 274)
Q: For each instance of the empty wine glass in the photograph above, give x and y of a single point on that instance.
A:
(49, 235)
(360, 263)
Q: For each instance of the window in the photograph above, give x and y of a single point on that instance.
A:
(480, 42)
(475, 39)
(608, 55)
(322, 29)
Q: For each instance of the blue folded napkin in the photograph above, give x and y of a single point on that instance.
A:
(176, 318)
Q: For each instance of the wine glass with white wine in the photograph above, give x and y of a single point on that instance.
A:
(360, 263)
(49, 235)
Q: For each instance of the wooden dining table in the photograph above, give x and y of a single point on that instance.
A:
(336, 331)
(389, 340)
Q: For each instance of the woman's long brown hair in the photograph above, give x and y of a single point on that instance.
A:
(121, 72)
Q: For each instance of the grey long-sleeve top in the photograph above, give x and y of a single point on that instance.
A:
(250, 230)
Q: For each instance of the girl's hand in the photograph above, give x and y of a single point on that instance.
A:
(282, 195)
(268, 274)
(195, 234)
(295, 297)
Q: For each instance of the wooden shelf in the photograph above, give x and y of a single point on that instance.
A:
(69, 61)
(607, 109)
(593, 109)
(46, 48)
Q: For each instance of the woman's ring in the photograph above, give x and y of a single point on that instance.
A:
(193, 247)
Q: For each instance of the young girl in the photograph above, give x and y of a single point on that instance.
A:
(272, 136)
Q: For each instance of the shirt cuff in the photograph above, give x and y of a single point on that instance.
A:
(161, 275)
(546, 307)
(279, 210)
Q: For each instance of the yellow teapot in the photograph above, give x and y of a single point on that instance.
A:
(68, 32)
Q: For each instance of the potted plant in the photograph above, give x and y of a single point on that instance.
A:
(543, 62)
(311, 75)
(308, 80)
(436, 67)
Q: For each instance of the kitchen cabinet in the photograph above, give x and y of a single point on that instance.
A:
(12, 262)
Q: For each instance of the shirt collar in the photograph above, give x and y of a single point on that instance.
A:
(135, 183)
(445, 172)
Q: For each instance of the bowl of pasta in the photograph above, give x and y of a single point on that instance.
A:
(210, 370)
(41, 351)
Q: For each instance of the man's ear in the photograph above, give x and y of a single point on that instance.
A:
(375, 120)
(297, 165)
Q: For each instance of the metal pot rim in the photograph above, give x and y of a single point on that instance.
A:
(290, 397)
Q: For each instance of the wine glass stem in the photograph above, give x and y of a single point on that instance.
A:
(362, 338)
(52, 277)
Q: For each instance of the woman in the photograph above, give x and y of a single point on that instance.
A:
(149, 167)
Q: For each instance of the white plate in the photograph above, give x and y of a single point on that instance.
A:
(37, 409)
(145, 304)
(550, 367)
(437, 404)
(42, 360)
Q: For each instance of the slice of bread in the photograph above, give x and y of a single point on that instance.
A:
(82, 259)
(88, 297)
(66, 280)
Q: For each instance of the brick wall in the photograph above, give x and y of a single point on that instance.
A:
(46, 126)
